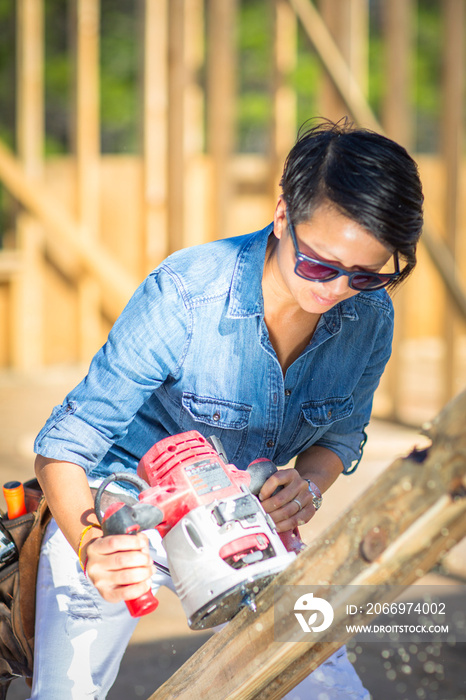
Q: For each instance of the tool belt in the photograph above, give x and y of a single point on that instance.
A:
(18, 596)
(18, 586)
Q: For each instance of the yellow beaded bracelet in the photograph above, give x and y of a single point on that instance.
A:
(81, 541)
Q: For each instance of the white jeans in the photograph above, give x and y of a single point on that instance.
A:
(80, 638)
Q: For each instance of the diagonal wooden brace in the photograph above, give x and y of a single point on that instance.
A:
(391, 536)
(63, 232)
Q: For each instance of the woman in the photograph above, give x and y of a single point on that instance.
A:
(274, 342)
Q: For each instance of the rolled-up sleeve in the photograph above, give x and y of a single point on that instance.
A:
(347, 437)
(147, 344)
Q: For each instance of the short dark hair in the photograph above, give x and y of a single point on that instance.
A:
(368, 177)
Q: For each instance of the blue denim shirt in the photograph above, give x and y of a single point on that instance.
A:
(191, 351)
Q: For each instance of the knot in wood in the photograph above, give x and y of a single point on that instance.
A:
(373, 544)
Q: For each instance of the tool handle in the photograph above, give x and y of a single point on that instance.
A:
(292, 540)
(13, 492)
(145, 604)
(260, 470)
(136, 481)
(123, 519)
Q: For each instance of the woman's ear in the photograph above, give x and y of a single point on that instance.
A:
(279, 219)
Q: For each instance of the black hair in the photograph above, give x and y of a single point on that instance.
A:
(366, 176)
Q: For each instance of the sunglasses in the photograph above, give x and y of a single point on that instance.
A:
(318, 271)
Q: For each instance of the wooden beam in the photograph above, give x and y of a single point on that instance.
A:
(348, 23)
(334, 63)
(420, 515)
(176, 123)
(284, 102)
(27, 332)
(154, 28)
(445, 264)
(397, 118)
(30, 96)
(185, 122)
(452, 127)
(61, 229)
(86, 122)
(11, 264)
(398, 35)
(417, 550)
(221, 86)
(196, 185)
(87, 155)
(194, 57)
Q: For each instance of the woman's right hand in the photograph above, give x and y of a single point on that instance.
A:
(119, 566)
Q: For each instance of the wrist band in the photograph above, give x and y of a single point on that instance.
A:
(316, 494)
(81, 542)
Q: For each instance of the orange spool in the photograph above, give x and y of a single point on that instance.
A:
(13, 492)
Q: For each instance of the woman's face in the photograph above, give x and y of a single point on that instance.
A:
(331, 237)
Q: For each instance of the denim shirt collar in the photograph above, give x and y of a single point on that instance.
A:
(246, 287)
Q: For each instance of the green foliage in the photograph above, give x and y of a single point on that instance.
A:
(428, 75)
(120, 99)
(119, 59)
(58, 76)
(376, 81)
(306, 79)
(255, 76)
(7, 70)
(254, 61)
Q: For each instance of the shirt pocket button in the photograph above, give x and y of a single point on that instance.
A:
(329, 414)
(216, 416)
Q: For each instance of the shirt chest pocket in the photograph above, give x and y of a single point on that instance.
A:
(321, 414)
(227, 420)
(316, 417)
(216, 412)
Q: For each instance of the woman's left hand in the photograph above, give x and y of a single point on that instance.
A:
(292, 504)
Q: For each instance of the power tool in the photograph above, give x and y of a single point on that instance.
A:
(222, 547)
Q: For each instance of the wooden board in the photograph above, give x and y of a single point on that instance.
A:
(393, 534)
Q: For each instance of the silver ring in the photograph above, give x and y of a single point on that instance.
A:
(299, 504)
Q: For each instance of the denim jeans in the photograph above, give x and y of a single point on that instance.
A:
(80, 638)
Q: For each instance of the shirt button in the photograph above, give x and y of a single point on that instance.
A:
(287, 392)
(329, 414)
(216, 416)
(270, 443)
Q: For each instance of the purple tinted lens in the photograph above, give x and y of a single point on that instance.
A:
(318, 272)
(368, 281)
(315, 271)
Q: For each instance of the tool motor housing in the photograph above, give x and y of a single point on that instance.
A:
(222, 547)
(220, 556)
